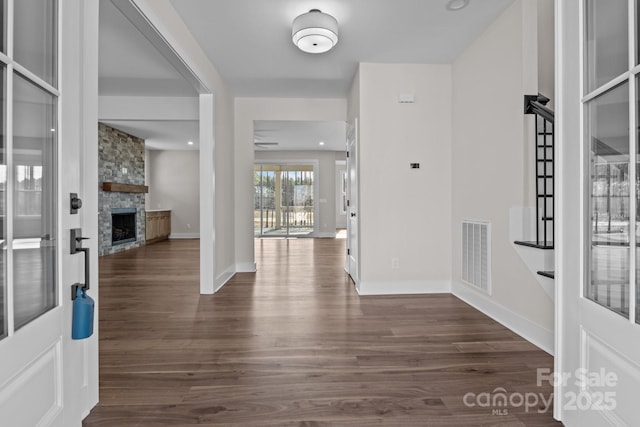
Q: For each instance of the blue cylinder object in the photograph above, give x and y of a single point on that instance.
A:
(82, 319)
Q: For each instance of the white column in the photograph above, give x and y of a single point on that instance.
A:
(207, 194)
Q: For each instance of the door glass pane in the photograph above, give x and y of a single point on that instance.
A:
(264, 216)
(638, 202)
(3, 210)
(257, 200)
(637, 289)
(34, 230)
(3, 26)
(608, 135)
(35, 37)
(283, 200)
(264, 200)
(607, 41)
(637, 33)
(298, 199)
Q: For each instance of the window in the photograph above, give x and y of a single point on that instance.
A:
(610, 111)
(28, 162)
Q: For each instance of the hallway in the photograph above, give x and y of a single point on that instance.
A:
(293, 344)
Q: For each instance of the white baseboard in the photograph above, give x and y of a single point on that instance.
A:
(532, 332)
(403, 287)
(246, 267)
(326, 235)
(184, 236)
(223, 278)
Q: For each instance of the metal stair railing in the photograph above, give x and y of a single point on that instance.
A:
(544, 170)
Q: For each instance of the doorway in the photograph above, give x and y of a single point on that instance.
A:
(284, 200)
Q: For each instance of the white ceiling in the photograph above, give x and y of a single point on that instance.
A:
(161, 134)
(249, 42)
(299, 135)
(128, 64)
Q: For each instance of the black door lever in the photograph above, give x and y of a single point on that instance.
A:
(76, 246)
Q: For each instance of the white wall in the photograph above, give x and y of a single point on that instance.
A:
(493, 164)
(217, 249)
(246, 111)
(174, 183)
(405, 214)
(225, 188)
(546, 50)
(353, 100)
(324, 178)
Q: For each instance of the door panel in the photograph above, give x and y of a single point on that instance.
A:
(41, 378)
(49, 151)
(597, 336)
(352, 209)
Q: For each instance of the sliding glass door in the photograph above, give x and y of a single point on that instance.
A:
(283, 200)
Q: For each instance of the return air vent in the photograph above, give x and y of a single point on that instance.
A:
(476, 254)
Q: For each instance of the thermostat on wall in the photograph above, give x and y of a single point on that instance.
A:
(406, 98)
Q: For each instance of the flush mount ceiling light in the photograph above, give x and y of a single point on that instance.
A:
(315, 32)
(454, 5)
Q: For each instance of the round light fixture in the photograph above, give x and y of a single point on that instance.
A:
(315, 32)
(454, 5)
(190, 143)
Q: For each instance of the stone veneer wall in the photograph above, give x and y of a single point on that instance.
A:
(121, 160)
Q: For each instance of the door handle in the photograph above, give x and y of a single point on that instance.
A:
(353, 214)
(76, 246)
(74, 204)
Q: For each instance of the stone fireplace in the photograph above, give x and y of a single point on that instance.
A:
(121, 213)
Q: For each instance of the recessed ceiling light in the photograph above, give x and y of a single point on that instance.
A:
(190, 143)
(321, 142)
(454, 5)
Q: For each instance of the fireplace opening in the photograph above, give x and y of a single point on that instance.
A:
(123, 226)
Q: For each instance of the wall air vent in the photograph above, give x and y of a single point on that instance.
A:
(476, 254)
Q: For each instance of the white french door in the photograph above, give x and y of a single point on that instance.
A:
(49, 87)
(598, 267)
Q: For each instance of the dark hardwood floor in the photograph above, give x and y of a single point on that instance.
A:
(294, 345)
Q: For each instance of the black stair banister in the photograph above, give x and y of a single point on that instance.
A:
(537, 104)
(549, 274)
(545, 163)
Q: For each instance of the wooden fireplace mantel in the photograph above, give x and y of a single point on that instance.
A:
(124, 188)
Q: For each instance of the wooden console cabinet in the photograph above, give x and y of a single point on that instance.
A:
(158, 226)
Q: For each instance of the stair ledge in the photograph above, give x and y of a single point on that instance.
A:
(549, 274)
(533, 245)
